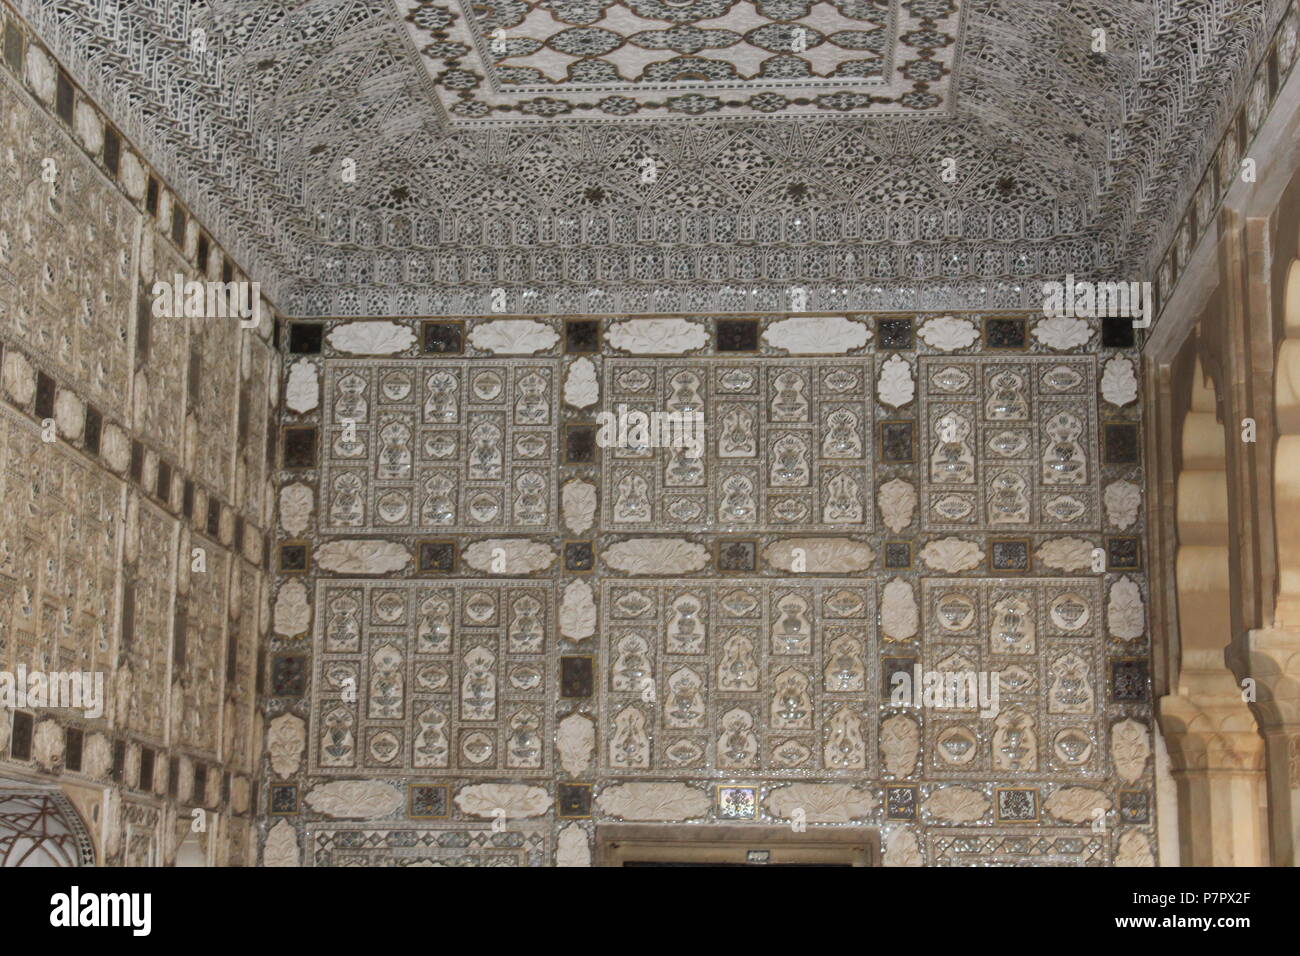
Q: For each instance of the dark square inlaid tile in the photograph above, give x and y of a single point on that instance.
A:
(1118, 333)
(437, 557)
(579, 444)
(894, 334)
(163, 485)
(283, 800)
(900, 803)
(20, 736)
(293, 558)
(94, 429)
(579, 556)
(898, 555)
(581, 335)
(1009, 555)
(1005, 334)
(1123, 553)
(573, 801)
(305, 337)
(737, 335)
(44, 407)
(1128, 680)
(288, 675)
(736, 556)
(890, 667)
(1134, 806)
(300, 447)
(1119, 443)
(427, 802)
(576, 677)
(897, 442)
(442, 338)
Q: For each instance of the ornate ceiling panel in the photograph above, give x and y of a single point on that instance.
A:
(508, 61)
(365, 155)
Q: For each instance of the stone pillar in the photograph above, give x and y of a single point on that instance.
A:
(1275, 666)
(1217, 758)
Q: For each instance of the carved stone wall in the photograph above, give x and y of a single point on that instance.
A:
(133, 467)
(487, 607)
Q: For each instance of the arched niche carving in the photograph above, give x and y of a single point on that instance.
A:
(40, 827)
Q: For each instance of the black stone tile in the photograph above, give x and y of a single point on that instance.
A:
(300, 447)
(898, 555)
(178, 224)
(20, 736)
(163, 487)
(118, 770)
(187, 499)
(199, 792)
(213, 526)
(94, 429)
(579, 444)
(194, 381)
(437, 557)
(305, 337)
(293, 558)
(895, 334)
(1118, 333)
(1119, 444)
(897, 442)
(1134, 806)
(151, 197)
(288, 675)
(112, 150)
(900, 803)
(65, 97)
(1009, 555)
(128, 613)
(143, 329)
(427, 802)
(238, 544)
(1005, 334)
(573, 801)
(737, 556)
(180, 636)
(737, 335)
(442, 338)
(282, 800)
(74, 742)
(889, 667)
(576, 677)
(201, 254)
(1123, 553)
(147, 760)
(1128, 680)
(228, 272)
(582, 336)
(579, 556)
(137, 462)
(44, 406)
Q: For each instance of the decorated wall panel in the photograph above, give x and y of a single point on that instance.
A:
(895, 580)
(130, 548)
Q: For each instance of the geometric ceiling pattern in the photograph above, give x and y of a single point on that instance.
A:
(598, 59)
(371, 155)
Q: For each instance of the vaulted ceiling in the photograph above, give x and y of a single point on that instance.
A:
(371, 155)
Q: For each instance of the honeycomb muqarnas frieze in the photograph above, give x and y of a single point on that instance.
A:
(591, 615)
